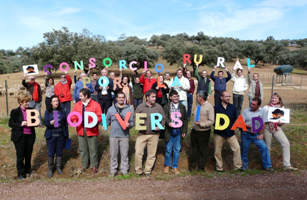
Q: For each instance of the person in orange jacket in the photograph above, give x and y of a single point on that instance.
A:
(88, 137)
(62, 90)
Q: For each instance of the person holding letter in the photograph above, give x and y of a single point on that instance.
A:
(161, 91)
(138, 91)
(23, 136)
(148, 135)
(56, 134)
(88, 136)
(225, 133)
(121, 119)
(79, 85)
(200, 133)
(104, 92)
(181, 85)
(249, 136)
(219, 84)
(126, 89)
(62, 90)
(93, 82)
(34, 90)
(176, 126)
(255, 87)
(273, 129)
(239, 87)
(147, 82)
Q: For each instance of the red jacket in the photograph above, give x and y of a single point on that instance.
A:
(146, 83)
(94, 107)
(64, 89)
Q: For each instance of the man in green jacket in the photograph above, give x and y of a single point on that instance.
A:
(173, 133)
(203, 82)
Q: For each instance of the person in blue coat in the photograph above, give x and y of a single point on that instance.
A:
(79, 86)
(56, 134)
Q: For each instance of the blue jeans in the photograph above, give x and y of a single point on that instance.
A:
(174, 140)
(185, 103)
(190, 103)
(246, 139)
(66, 106)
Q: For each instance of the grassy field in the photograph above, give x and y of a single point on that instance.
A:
(293, 98)
(296, 133)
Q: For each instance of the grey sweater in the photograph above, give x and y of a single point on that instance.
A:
(116, 129)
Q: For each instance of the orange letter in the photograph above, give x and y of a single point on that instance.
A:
(117, 81)
(239, 124)
(120, 120)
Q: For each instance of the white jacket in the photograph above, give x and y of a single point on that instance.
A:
(185, 83)
(239, 84)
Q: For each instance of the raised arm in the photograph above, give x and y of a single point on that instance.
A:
(196, 73)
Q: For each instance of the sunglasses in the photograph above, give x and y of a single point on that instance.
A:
(63, 76)
(32, 79)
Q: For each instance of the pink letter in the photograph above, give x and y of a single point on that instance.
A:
(130, 65)
(175, 119)
(67, 67)
(92, 64)
(69, 119)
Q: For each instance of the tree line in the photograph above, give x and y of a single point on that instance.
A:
(65, 46)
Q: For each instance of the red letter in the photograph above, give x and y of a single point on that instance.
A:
(239, 124)
(186, 57)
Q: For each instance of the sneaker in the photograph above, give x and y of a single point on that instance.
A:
(269, 169)
(175, 171)
(112, 175)
(166, 170)
(290, 168)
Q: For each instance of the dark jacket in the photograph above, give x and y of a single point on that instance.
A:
(202, 85)
(30, 89)
(183, 118)
(230, 111)
(109, 90)
(49, 117)
(16, 118)
(137, 89)
(163, 91)
(144, 108)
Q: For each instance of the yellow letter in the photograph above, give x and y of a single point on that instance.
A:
(217, 121)
(200, 59)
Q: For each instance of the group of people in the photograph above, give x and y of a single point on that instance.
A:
(164, 96)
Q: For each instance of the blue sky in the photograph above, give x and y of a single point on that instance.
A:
(24, 22)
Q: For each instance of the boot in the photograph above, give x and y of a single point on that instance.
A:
(59, 164)
(50, 166)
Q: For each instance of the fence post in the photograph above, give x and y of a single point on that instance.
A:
(272, 84)
(301, 82)
(7, 102)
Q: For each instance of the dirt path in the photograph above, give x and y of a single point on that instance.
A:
(278, 185)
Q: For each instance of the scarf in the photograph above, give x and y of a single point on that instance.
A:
(35, 91)
(63, 82)
(273, 125)
(127, 93)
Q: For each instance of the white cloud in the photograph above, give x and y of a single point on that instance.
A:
(68, 11)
